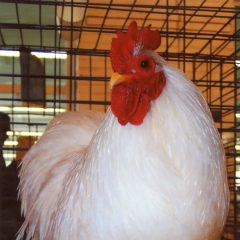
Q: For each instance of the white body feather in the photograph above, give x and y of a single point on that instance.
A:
(164, 179)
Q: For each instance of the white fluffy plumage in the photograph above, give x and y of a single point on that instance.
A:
(89, 178)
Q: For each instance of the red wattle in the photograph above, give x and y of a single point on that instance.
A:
(131, 100)
(142, 109)
(125, 98)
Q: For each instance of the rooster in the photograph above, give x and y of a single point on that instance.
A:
(152, 168)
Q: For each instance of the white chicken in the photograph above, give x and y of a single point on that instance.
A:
(153, 168)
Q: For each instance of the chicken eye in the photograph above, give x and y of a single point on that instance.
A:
(144, 64)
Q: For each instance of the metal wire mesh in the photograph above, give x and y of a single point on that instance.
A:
(199, 37)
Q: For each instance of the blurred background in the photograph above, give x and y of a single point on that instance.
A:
(54, 58)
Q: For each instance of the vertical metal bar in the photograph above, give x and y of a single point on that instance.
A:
(167, 29)
(13, 99)
(90, 83)
(193, 69)
(45, 84)
(75, 81)
(235, 217)
(19, 23)
(207, 83)
(184, 35)
(210, 75)
(105, 82)
(55, 63)
(221, 94)
(71, 60)
(59, 82)
(40, 23)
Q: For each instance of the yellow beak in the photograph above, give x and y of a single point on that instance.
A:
(117, 78)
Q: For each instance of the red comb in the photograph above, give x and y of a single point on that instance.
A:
(123, 45)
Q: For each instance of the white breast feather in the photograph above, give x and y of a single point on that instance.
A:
(164, 179)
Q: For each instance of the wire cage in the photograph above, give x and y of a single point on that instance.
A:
(54, 58)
